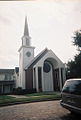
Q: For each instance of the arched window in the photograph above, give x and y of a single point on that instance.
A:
(46, 67)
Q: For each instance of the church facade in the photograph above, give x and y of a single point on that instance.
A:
(45, 72)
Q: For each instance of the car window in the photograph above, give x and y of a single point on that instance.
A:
(73, 87)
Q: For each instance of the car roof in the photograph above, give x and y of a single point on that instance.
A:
(73, 79)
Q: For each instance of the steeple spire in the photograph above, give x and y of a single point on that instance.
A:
(26, 32)
(26, 38)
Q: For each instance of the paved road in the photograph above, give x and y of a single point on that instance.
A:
(50, 110)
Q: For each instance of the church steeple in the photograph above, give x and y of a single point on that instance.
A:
(26, 55)
(26, 38)
(26, 31)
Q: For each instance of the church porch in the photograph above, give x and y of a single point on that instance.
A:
(6, 87)
(49, 76)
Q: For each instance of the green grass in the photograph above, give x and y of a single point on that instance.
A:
(39, 94)
(5, 98)
(8, 99)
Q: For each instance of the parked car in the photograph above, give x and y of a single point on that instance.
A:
(71, 95)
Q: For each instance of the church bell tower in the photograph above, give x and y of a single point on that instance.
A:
(26, 55)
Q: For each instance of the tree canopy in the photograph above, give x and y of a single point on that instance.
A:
(77, 39)
(74, 66)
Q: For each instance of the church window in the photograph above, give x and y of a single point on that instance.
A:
(6, 77)
(27, 42)
(28, 54)
(46, 67)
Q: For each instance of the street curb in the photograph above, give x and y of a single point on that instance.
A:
(30, 101)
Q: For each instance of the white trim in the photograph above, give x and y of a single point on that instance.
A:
(25, 47)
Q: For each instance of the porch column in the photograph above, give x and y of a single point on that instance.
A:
(37, 88)
(9, 89)
(42, 79)
(64, 75)
(2, 88)
(60, 79)
(33, 78)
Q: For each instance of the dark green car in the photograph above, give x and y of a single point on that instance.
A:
(71, 95)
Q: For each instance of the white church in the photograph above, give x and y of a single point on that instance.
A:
(45, 72)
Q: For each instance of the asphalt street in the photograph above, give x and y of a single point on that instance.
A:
(49, 110)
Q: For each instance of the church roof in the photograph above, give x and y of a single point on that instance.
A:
(37, 58)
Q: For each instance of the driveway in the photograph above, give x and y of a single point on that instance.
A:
(50, 110)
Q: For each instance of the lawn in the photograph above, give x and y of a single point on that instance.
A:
(5, 99)
(40, 94)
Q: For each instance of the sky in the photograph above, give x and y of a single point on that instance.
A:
(51, 24)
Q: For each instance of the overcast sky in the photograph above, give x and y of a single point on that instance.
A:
(51, 24)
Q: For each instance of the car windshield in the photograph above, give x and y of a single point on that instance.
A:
(73, 87)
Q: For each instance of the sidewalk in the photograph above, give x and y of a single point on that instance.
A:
(18, 96)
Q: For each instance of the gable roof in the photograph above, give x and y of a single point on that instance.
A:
(37, 58)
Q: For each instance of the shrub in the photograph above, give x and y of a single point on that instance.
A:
(20, 91)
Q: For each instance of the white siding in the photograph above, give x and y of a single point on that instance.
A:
(23, 62)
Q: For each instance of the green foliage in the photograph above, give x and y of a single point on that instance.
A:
(40, 94)
(74, 66)
(77, 38)
(20, 91)
(17, 90)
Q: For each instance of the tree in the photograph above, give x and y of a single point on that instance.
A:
(74, 66)
(77, 39)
